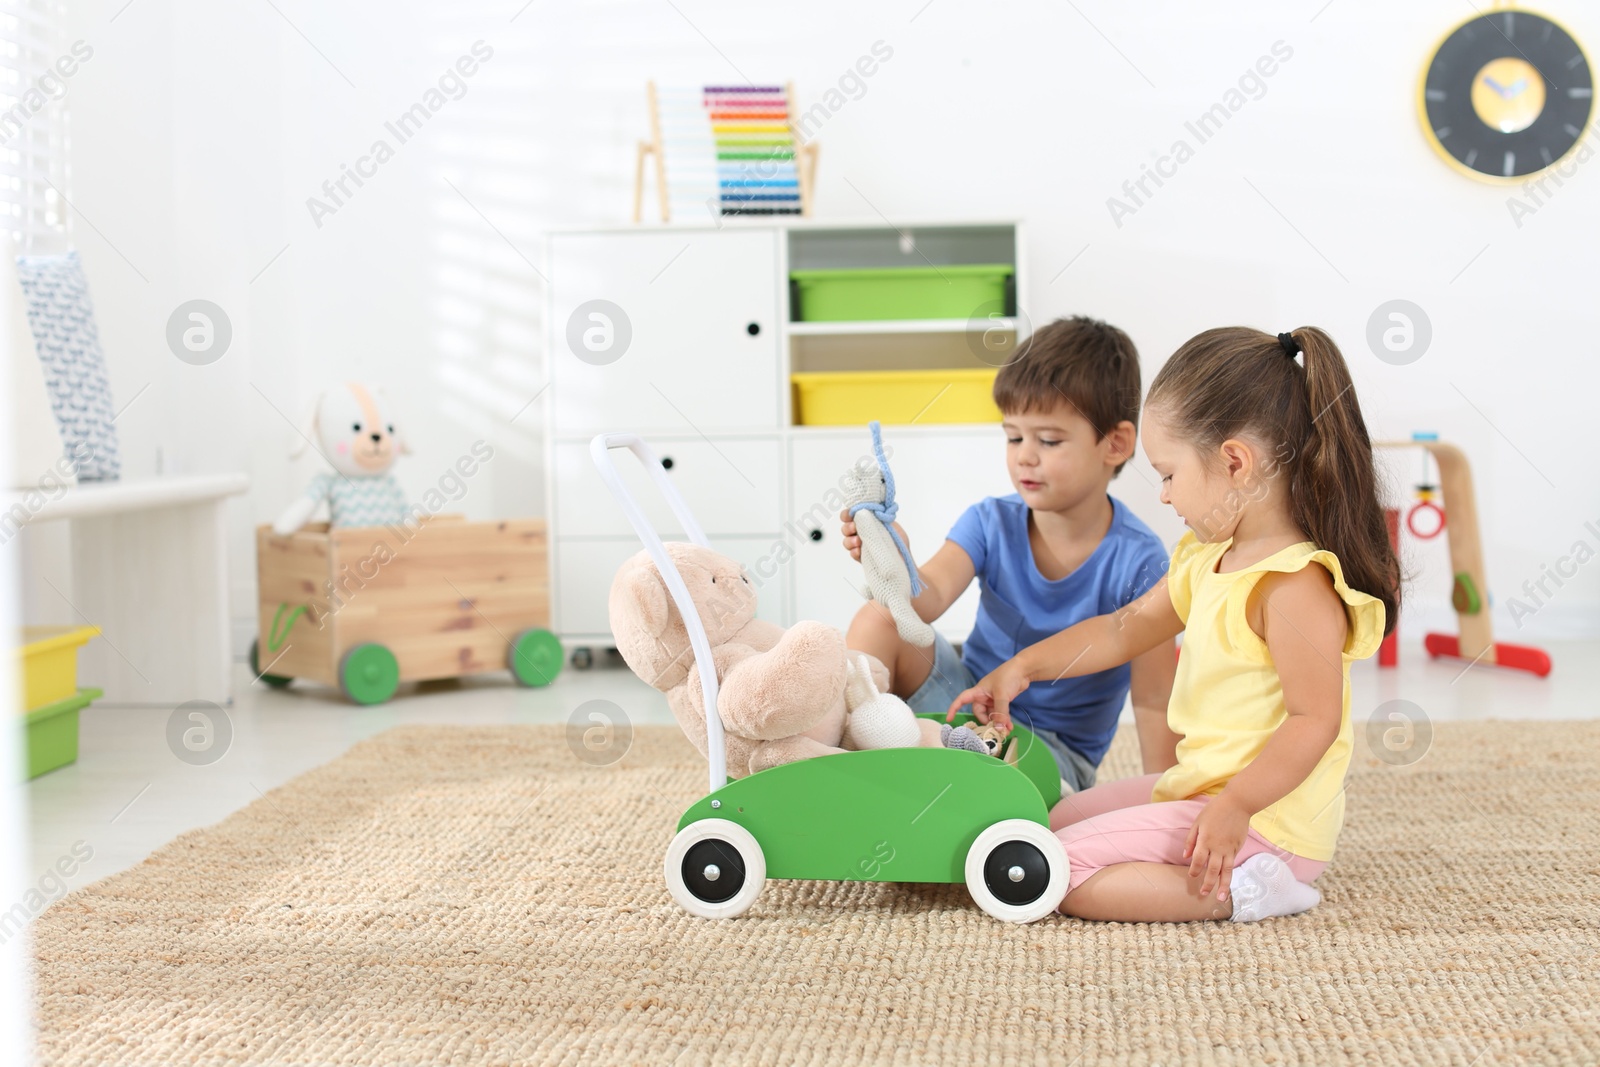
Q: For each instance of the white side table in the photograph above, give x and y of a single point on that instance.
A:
(150, 568)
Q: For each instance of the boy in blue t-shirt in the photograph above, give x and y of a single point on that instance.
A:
(1055, 552)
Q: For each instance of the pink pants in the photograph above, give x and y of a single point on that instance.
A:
(1118, 823)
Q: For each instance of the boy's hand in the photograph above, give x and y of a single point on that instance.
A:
(852, 540)
(991, 698)
(1214, 840)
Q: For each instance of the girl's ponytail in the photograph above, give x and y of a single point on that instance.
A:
(1234, 381)
(1334, 490)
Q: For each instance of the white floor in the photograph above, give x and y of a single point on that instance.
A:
(128, 794)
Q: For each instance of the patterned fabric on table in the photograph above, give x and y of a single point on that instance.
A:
(376, 501)
(62, 320)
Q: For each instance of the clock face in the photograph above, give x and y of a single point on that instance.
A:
(1506, 95)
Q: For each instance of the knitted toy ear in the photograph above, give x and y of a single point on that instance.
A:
(309, 435)
(386, 407)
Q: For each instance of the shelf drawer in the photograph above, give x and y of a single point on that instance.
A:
(733, 487)
(931, 397)
(964, 291)
(655, 332)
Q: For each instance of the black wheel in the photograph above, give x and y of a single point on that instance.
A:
(715, 869)
(582, 658)
(276, 681)
(1017, 871)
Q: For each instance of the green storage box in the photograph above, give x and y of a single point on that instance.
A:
(53, 732)
(886, 293)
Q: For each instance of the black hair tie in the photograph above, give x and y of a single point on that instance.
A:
(1291, 347)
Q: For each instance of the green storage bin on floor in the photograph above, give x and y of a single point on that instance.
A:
(862, 295)
(53, 732)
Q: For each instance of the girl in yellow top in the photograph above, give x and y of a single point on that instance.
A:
(1285, 578)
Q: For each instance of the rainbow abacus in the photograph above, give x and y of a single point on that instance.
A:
(756, 174)
(726, 150)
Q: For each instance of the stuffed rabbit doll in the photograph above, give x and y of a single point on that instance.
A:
(357, 438)
(890, 571)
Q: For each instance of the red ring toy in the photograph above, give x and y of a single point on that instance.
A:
(1411, 520)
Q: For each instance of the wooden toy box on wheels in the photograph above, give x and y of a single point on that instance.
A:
(366, 608)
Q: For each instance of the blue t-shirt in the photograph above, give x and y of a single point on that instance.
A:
(1020, 607)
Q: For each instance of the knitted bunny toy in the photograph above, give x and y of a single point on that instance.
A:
(875, 720)
(358, 440)
(890, 571)
(883, 720)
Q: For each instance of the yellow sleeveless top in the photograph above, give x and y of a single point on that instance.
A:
(1227, 698)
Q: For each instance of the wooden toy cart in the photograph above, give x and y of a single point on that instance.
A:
(366, 608)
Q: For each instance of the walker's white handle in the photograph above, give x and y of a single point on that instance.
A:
(600, 451)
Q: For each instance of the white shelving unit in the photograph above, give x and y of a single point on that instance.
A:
(150, 568)
(704, 377)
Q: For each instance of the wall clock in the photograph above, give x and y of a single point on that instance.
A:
(1505, 95)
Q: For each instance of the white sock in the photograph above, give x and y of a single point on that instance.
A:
(1263, 887)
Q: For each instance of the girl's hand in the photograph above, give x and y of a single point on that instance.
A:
(1214, 840)
(852, 540)
(991, 698)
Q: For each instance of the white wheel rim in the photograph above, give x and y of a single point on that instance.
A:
(755, 868)
(1055, 856)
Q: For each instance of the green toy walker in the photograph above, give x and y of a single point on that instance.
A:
(886, 815)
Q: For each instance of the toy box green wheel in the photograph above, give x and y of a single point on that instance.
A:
(369, 674)
(715, 869)
(277, 681)
(535, 657)
(1017, 871)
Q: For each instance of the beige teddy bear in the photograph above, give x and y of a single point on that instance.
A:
(784, 695)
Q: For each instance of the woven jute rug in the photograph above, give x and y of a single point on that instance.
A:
(448, 895)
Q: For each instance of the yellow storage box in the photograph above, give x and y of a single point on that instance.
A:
(49, 665)
(855, 398)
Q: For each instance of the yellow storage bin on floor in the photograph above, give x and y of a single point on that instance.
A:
(49, 663)
(855, 398)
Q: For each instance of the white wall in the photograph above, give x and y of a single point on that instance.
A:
(200, 130)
